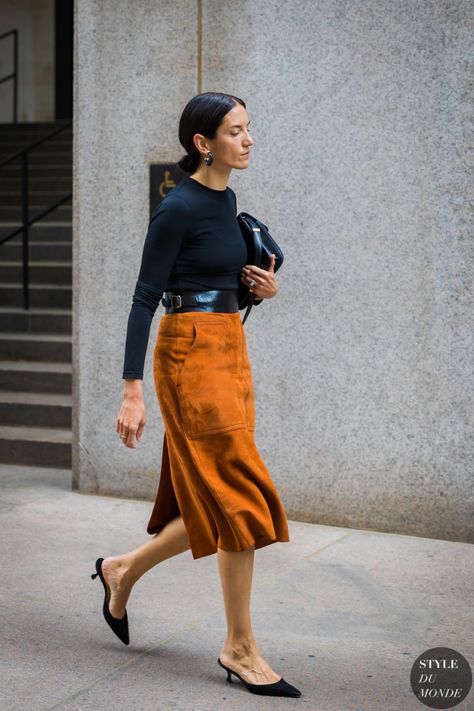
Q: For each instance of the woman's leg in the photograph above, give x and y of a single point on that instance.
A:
(240, 652)
(122, 572)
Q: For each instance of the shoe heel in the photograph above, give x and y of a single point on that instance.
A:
(229, 675)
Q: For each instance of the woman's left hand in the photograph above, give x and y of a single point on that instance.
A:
(265, 282)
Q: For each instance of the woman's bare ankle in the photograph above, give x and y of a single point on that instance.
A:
(240, 648)
(120, 570)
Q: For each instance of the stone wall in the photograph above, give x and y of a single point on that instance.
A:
(363, 362)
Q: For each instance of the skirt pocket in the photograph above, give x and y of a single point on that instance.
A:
(211, 396)
(168, 353)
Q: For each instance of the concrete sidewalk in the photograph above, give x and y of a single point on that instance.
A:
(340, 613)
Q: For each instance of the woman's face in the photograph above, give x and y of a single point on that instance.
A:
(231, 147)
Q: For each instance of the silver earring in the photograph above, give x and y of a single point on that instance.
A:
(208, 158)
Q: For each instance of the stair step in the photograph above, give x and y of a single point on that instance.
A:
(54, 220)
(38, 446)
(35, 158)
(24, 126)
(36, 346)
(50, 183)
(51, 337)
(37, 434)
(12, 197)
(38, 171)
(39, 252)
(38, 366)
(33, 209)
(7, 263)
(27, 409)
(13, 214)
(17, 131)
(27, 398)
(17, 143)
(14, 144)
(54, 147)
(39, 232)
(58, 153)
(40, 295)
(35, 377)
(59, 273)
(35, 320)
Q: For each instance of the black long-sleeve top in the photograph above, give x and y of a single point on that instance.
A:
(193, 242)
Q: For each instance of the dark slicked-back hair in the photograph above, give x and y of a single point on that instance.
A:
(202, 114)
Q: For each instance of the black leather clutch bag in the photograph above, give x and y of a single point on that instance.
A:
(260, 247)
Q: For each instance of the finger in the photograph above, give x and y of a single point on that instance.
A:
(271, 267)
(259, 291)
(124, 432)
(257, 271)
(131, 436)
(140, 430)
(253, 285)
(253, 277)
(254, 270)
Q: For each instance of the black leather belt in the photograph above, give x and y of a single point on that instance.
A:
(224, 300)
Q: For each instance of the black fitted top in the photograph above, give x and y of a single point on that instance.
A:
(193, 243)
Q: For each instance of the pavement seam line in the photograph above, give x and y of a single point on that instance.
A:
(123, 665)
(302, 560)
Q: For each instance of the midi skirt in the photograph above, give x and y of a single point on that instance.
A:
(212, 474)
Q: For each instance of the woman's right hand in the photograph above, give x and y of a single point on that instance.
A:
(131, 418)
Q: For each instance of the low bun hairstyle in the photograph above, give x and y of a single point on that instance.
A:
(202, 114)
(189, 163)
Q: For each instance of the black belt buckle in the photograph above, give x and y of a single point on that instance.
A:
(173, 304)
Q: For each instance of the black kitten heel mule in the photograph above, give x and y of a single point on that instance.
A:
(119, 626)
(278, 688)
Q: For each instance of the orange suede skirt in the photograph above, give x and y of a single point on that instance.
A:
(212, 473)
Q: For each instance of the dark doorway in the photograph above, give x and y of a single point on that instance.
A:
(64, 24)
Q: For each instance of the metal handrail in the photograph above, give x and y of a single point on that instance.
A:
(26, 222)
(35, 143)
(45, 212)
(14, 74)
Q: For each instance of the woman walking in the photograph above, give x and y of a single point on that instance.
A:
(215, 494)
